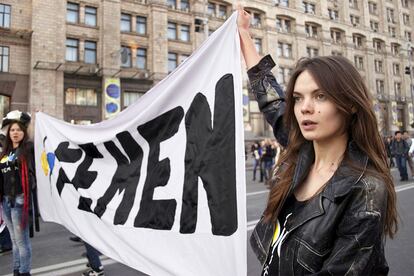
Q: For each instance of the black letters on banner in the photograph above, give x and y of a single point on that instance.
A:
(126, 177)
(83, 177)
(158, 214)
(210, 155)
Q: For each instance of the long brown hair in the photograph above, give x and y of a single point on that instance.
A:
(344, 86)
(8, 144)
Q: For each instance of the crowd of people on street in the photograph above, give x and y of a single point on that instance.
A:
(400, 152)
(265, 155)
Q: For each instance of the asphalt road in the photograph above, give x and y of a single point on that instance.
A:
(55, 254)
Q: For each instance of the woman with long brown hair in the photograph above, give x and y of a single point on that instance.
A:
(332, 201)
(17, 188)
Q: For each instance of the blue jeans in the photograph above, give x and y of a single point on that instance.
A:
(93, 257)
(22, 250)
(402, 165)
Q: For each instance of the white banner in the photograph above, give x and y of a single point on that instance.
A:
(161, 186)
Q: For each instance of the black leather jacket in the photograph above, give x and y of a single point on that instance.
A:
(339, 231)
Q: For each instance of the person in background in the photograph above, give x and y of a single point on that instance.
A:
(255, 150)
(387, 143)
(407, 139)
(5, 240)
(399, 150)
(18, 188)
(94, 265)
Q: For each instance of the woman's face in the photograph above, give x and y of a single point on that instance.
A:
(16, 133)
(318, 117)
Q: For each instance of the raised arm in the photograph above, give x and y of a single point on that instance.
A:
(267, 91)
(251, 56)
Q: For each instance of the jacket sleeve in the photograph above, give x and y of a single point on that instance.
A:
(358, 249)
(270, 96)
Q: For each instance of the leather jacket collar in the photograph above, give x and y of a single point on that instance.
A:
(345, 176)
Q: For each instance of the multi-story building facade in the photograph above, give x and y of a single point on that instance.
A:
(59, 56)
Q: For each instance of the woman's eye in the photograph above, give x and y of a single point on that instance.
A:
(296, 99)
(321, 96)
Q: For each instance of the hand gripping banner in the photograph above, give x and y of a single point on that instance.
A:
(161, 186)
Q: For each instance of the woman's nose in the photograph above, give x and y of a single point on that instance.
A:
(307, 106)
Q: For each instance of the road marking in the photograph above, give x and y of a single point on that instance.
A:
(257, 193)
(67, 267)
(404, 187)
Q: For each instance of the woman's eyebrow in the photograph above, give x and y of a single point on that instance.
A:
(313, 92)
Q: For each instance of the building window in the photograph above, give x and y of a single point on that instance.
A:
(172, 4)
(308, 7)
(395, 49)
(336, 37)
(284, 75)
(396, 69)
(72, 46)
(378, 66)
(391, 31)
(353, 4)
(406, 19)
(359, 62)
(256, 19)
(81, 96)
(377, 45)
(397, 89)
(222, 11)
(125, 22)
(211, 9)
(390, 15)
(90, 16)
(407, 35)
(5, 11)
(284, 50)
(336, 53)
(380, 86)
(172, 31)
(357, 39)
(258, 44)
(126, 58)
(374, 25)
(4, 59)
(283, 3)
(354, 20)
(130, 97)
(311, 30)
(141, 58)
(404, 3)
(172, 62)
(333, 14)
(72, 13)
(373, 8)
(283, 25)
(185, 5)
(141, 25)
(185, 33)
(90, 52)
(312, 52)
